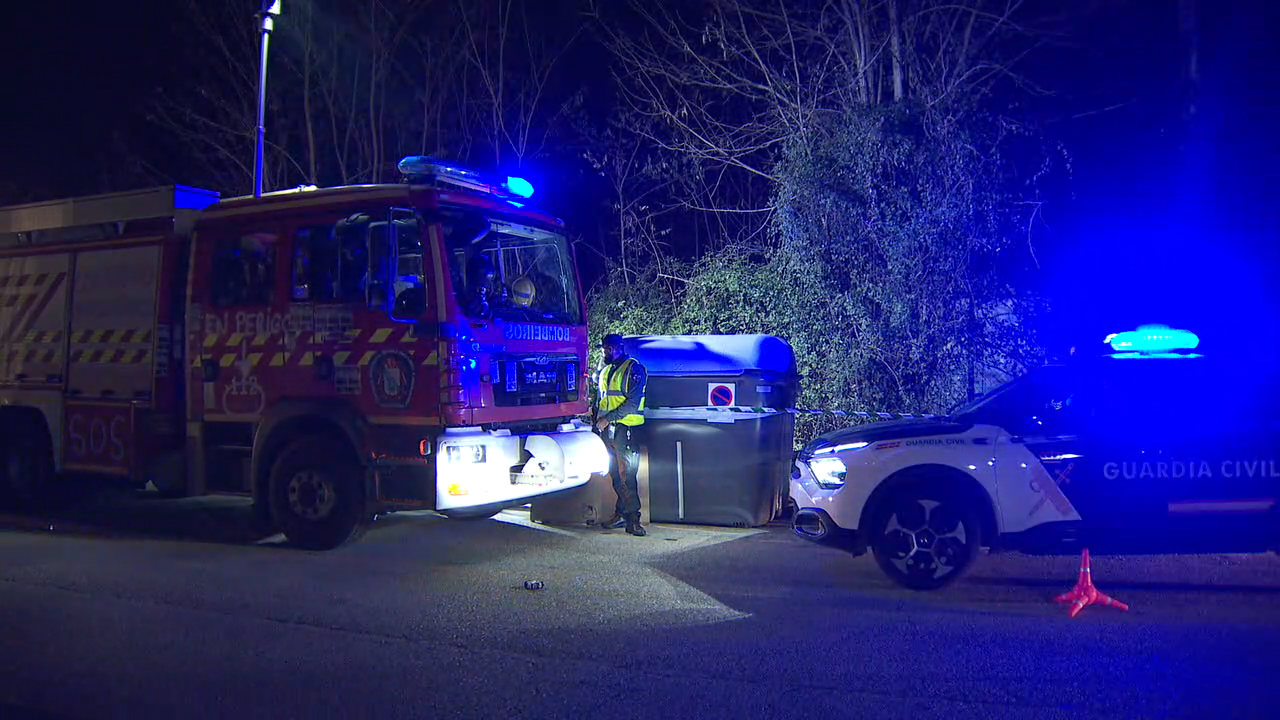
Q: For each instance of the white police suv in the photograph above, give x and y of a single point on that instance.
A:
(1150, 449)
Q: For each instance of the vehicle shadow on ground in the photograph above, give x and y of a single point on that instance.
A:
(93, 509)
(89, 509)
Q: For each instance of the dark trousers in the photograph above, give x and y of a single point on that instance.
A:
(622, 445)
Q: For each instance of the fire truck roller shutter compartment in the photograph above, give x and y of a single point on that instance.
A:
(113, 323)
(33, 359)
(33, 297)
(478, 468)
(708, 465)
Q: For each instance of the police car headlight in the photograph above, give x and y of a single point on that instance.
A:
(462, 454)
(841, 448)
(828, 471)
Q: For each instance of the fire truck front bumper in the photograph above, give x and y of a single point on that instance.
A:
(477, 468)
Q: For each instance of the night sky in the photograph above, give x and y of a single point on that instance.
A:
(77, 78)
(1185, 212)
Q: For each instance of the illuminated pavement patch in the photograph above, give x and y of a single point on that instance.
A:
(427, 617)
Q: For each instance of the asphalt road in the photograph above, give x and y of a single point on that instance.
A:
(173, 609)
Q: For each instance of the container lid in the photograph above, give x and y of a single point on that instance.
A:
(711, 354)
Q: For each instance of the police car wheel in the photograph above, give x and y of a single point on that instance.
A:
(924, 537)
(317, 497)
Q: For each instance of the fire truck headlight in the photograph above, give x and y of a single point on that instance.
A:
(464, 454)
(597, 460)
(828, 471)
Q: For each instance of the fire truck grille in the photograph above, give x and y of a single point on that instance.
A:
(535, 379)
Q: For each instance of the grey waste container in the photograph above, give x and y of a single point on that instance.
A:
(715, 468)
(708, 465)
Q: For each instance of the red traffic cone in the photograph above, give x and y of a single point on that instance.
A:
(1084, 593)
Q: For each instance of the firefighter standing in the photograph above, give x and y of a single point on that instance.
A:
(619, 410)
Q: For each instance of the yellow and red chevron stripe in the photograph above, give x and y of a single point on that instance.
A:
(236, 340)
(129, 337)
(104, 346)
(46, 355)
(42, 337)
(36, 279)
(302, 358)
(28, 296)
(268, 349)
(37, 347)
(18, 289)
(109, 356)
(376, 336)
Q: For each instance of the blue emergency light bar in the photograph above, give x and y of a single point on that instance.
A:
(425, 165)
(424, 169)
(1153, 339)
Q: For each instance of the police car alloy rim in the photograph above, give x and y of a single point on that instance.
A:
(311, 496)
(925, 539)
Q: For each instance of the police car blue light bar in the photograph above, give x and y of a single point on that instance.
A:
(1153, 339)
(520, 187)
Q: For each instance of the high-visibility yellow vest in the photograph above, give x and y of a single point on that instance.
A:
(613, 390)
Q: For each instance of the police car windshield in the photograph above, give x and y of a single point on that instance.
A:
(1039, 385)
(505, 269)
(1144, 395)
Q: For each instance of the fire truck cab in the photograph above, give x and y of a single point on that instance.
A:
(334, 353)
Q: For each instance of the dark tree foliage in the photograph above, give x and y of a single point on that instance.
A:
(895, 250)
(888, 270)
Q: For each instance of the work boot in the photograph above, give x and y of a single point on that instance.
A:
(614, 522)
(635, 528)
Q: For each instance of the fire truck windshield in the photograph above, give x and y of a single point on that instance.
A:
(501, 268)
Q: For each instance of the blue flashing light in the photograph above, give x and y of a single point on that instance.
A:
(425, 165)
(1149, 339)
(519, 186)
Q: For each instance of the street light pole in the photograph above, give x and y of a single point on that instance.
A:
(270, 10)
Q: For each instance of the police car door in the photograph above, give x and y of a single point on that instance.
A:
(1039, 456)
(1187, 459)
(1062, 467)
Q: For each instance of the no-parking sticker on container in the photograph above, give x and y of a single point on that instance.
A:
(721, 394)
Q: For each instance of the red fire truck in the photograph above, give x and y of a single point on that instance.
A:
(333, 353)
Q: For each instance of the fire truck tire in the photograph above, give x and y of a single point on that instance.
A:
(26, 465)
(317, 498)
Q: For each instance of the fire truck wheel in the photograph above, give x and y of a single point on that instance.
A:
(27, 466)
(925, 536)
(317, 499)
